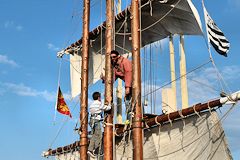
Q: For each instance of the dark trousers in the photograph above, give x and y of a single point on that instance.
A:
(128, 101)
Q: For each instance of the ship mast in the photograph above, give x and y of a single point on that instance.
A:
(84, 83)
(108, 130)
(136, 89)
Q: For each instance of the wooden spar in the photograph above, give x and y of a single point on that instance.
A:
(84, 83)
(136, 89)
(174, 115)
(108, 130)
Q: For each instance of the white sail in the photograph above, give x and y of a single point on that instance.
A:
(95, 68)
(190, 138)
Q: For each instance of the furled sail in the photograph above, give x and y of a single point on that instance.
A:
(193, 137)
(159, 19)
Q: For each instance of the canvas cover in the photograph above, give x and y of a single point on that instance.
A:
(192, 138)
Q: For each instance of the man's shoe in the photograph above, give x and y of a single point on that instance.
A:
(91, 154)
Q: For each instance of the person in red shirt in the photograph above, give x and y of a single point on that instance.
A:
(122, 68)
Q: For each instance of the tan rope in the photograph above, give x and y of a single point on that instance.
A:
(159, 124)
(194, 108)
(182, 117)
(209, 108)
(169, 119)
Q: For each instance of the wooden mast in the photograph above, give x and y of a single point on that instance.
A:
(108, 130)
(84, 83)
(136, 90)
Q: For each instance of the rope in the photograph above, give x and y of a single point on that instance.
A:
(194, 108)
(162, 16)
(220, 120)
(169, 119)
(180, 77)
(209, 108)
(61, 127)
(159, 124)
(156, 21)
(214, 65)
(204, 84)
(183, 118)
(59, 77)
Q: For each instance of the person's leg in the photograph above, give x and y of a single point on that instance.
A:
(92, 140)
(128, 101)
(98, 134)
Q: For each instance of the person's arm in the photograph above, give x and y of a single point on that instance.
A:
(104, 107)
(128, 73)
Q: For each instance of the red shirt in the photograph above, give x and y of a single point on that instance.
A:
(123, 70)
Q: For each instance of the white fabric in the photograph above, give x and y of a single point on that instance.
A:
(200, 139)
(75, 74)
(95, 68)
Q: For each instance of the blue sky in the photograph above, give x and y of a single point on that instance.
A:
(31, 32)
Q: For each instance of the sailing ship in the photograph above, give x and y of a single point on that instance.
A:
(193, 132)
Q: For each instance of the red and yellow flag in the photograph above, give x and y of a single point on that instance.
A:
(61, 104)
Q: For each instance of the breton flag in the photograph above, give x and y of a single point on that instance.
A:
(61, 105)
(215, 35)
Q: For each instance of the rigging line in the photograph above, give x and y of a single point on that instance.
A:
(72, 32)
(155, 80)
(123, 23)
(123, 48)
(125, 28)
(76, 25)
(150, 78)
(101, 42)
(157, 20)
(60, 129)
(59, 77)
(100, 50)
(203, 84)
(162, 16)
(220, 76)
(214, 65)
(180, 77)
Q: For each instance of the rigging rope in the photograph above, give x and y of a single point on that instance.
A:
(180, 77)
(59, 76)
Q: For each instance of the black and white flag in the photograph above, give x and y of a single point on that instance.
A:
(215, 35)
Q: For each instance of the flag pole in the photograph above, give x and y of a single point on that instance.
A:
(207, 41)
(59, 76)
